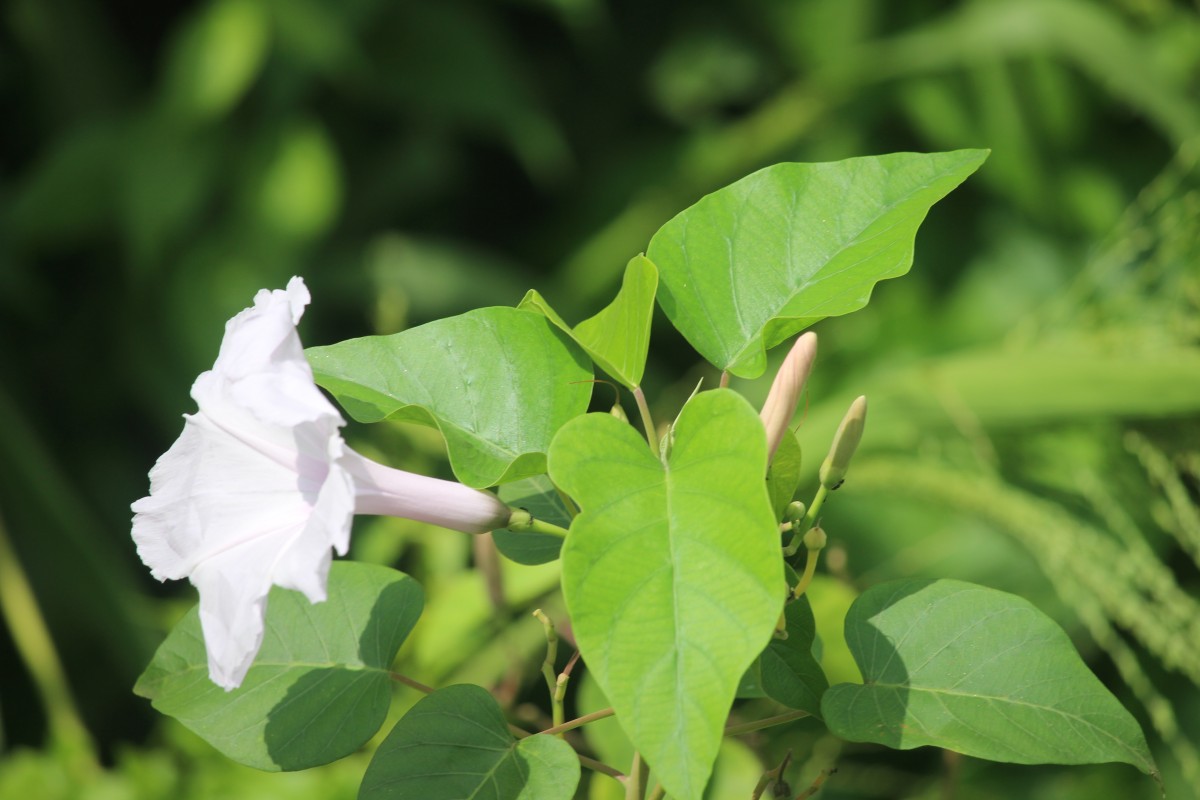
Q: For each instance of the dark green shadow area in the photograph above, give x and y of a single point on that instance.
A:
(331, 712)
(879, 714)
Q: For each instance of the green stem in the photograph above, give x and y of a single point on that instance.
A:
(769, 722)
(18, 606)
(658, 793)
(635, 785)
(522, 521)
(601, 767)
(413, 684)
(647, 420)
(556, 704)
(579, 722)
(810, 568)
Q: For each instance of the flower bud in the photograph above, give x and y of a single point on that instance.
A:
(794, 513)
(780, 407)
(845, 442)
(815, 539)
(619, 412)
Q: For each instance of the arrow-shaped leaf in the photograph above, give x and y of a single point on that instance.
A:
(754, 263)
(672, 573)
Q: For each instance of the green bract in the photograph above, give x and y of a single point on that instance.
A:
(978, 671)
(671, 573)
(320, 686)
(498, 382)
(764, 258)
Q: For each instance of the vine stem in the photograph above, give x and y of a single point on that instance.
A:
(647, 420)
(522, 521)
(657, 793)
(768, 722)
(579, 722)
(810, 569)
(556, 704)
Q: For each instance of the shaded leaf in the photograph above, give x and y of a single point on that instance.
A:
(672, 573)
(320, 686)
(789, 672)
(752, 264)
(977, 671)
(498, 382)
(456, 743)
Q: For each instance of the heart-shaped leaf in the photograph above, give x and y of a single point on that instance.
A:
(498, 383)
(320, 686)
(455, 743)
(617, 338)
(754, 263)
(977, 671)
(672, 573)
(789, 673)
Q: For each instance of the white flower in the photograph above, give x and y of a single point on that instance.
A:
(259, 489)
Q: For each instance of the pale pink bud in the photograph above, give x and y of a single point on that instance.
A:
(780, 407)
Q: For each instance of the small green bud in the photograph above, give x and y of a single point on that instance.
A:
(845, 442)
(794, 513)
(815, 539)
(619, 412)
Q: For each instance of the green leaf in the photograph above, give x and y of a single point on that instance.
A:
(789, 672)
(498, 383)
(977, 671)
(783, 476)
(537, 496)
(617, 338)
(320, 686)
(455, 743)
(754, 263)
(671, 573)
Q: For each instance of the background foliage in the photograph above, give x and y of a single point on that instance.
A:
(1034, 383)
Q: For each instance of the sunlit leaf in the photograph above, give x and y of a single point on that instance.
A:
(498, 383)
(618, 337)
(752, 264)
(672, 573)
(320, 686)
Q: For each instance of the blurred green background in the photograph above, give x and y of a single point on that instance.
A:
(1034, 383)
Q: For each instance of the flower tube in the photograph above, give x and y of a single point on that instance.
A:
(260, 489)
